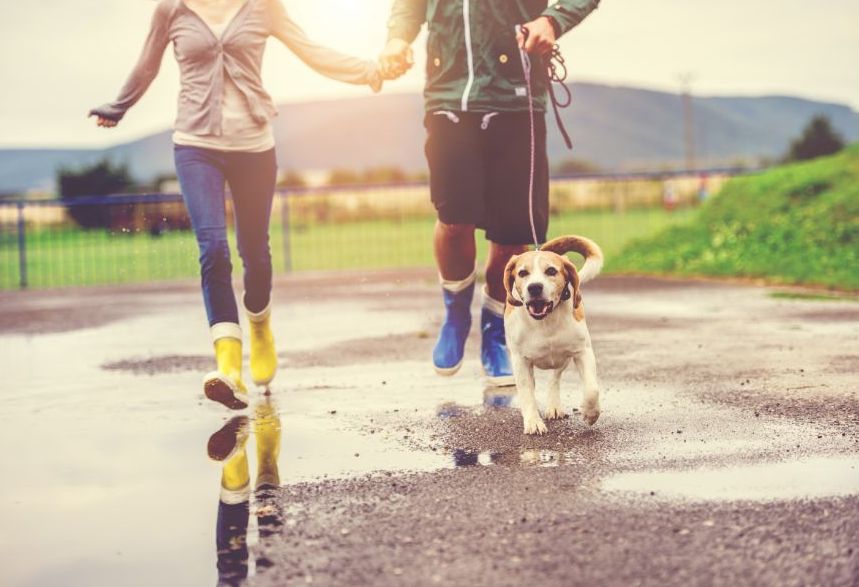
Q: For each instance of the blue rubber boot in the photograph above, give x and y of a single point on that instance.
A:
(450, 347)
(493, 351)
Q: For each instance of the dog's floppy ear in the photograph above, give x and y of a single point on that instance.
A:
(572, 282)
(510, 279)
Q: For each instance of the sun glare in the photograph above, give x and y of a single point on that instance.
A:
(349, 25)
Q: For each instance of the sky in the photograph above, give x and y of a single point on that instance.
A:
(61, 58)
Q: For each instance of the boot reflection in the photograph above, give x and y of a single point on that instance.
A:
(499, 397)
(267, 432)
(229, 445)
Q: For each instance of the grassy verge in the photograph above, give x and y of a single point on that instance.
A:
(796, 224)
(71, 257)
(815, 297)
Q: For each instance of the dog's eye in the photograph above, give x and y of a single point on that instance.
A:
(551, 272)
(523, 273)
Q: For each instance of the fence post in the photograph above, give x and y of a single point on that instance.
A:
(22, 248)
(285, 229)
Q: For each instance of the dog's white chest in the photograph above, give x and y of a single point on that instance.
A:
(547, 344)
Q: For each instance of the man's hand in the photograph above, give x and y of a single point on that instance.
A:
(104, 122)
(541, 36)
(396, 59)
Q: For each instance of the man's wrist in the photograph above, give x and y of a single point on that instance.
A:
(556, 27)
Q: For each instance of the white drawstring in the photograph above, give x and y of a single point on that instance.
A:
(526, 67)
(486, 119)
(450, 115)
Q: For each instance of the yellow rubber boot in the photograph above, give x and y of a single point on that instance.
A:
(267, 431)
(225, 385)
(236, 479)
(263, 353)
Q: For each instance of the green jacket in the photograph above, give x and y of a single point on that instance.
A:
(473, 62)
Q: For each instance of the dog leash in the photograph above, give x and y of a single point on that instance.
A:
(556, 72)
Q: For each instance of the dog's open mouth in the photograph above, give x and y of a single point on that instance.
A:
(539, 309)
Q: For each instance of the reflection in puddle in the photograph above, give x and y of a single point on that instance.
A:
(229, 445)
(526, 457)
(807, 478)
(499, 397)
(542, 458)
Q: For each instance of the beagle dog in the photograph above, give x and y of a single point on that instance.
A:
(544, 320)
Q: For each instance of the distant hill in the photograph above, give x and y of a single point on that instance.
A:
(24, 169)
(612, 127)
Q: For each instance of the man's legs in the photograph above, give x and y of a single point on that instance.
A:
(495, 264)
(455, 157)
(493, 347)
(508, 227)
(455, 254)
(455, 250)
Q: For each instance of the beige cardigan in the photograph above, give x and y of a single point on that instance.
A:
(205, 59)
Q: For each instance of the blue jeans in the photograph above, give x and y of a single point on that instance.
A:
(251, 177)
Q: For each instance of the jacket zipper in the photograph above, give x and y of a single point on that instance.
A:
(466, 18)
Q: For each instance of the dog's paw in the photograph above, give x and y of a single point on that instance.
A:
(534, 425)
(555, 413)
(590, 414)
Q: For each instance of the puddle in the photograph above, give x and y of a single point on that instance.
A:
(800, 479)
(522, 458)
(87, 457)
(119, 461)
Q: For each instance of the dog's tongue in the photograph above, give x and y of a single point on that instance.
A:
(538, 309)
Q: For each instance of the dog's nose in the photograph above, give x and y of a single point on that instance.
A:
(535, 289)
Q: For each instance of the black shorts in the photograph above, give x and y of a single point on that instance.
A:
(480, 169)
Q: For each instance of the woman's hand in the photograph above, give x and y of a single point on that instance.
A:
(376, 80)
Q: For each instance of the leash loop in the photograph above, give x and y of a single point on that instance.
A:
(556, 74)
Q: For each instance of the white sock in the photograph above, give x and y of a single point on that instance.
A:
(225, 330)
(492, 304)
(458, 286)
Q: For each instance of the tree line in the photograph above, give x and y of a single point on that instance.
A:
(105, 177)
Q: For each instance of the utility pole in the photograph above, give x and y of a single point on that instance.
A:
(686, 80)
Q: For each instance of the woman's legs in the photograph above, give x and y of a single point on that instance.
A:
(252, 178)
(201, 174)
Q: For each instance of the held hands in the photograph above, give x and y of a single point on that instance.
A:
(396, 59)
(541, 36)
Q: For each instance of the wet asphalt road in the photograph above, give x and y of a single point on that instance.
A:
(727, 452)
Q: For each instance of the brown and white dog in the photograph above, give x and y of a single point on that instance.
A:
(545, 325)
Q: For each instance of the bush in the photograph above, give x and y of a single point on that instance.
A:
(100, 179)
(291, 179)
(576, 167)
(817, 140)
(373, 175)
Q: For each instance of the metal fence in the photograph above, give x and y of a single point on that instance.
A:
(147, 237)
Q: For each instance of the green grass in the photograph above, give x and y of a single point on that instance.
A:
(71, 257)
(796, 224)
(790, 295)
